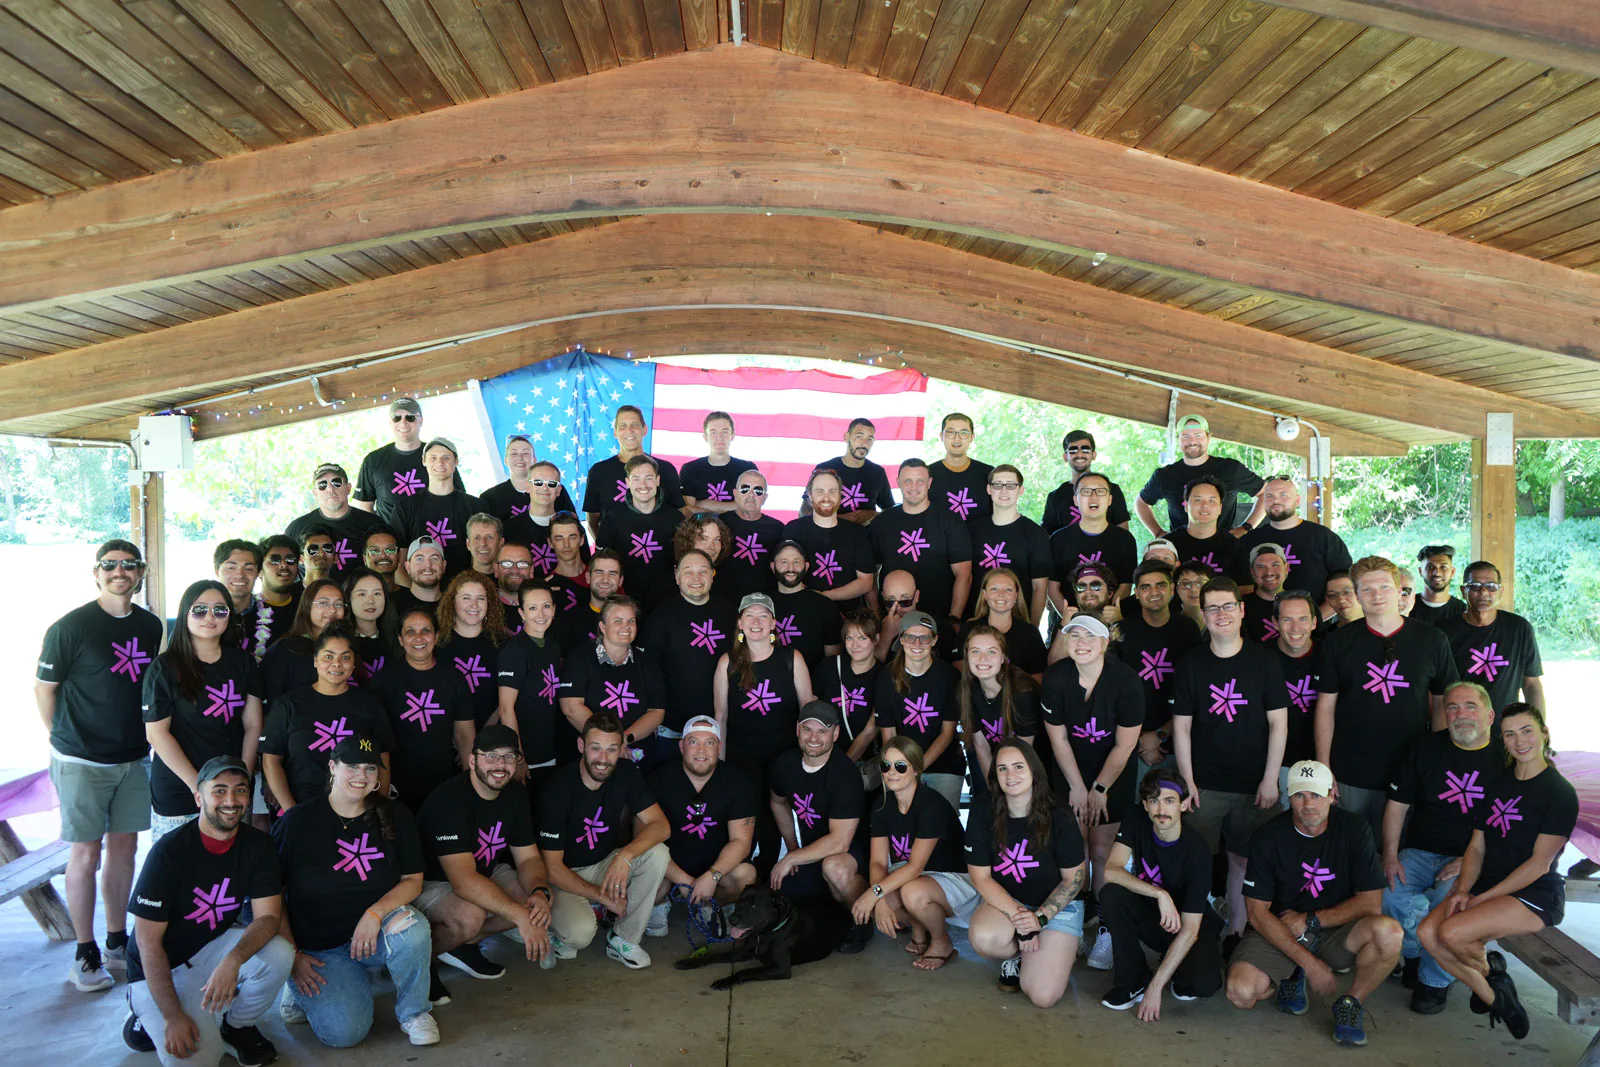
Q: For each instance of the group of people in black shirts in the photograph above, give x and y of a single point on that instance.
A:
(456, 717)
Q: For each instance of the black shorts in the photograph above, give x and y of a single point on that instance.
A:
(1547, 897)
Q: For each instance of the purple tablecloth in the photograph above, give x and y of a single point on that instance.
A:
(26, 794)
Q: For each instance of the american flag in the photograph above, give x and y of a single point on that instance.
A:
(786, 421)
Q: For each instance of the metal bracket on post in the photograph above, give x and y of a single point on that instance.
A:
(1499, 448)
(1319, 471)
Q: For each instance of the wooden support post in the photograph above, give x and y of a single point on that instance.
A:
(154, 544)
(1494, 503)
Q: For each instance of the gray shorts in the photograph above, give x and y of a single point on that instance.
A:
(959, 894)
(1228, 816)
(1264, 956)
(503, 875)
(96, 801)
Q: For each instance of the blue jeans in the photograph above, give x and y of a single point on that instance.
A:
(340, 1013)
(1410, 904)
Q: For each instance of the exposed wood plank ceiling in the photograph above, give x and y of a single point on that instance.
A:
(1498, 151)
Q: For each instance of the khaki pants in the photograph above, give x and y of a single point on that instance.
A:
(572, 917)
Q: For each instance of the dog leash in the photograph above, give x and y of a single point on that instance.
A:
(706, 917)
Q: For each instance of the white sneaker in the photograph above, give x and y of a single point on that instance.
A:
(290, 1012)
(422, 1029)
(89, 979)
(1100, 955)
(560, 950)
(114, 959)
(658, 920)
(626, 953)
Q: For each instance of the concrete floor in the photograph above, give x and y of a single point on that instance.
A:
(871, 1008)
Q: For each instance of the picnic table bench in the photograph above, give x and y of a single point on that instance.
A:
(1570, 968)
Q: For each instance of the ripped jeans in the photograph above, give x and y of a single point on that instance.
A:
(1410, 904)
(340, 1013)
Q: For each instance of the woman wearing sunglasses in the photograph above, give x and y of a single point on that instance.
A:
(202, 698)
(914, 830)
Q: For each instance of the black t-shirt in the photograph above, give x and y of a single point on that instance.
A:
(1166, 483)
(835, 554)
(569, 593)
(246, 627)
(1311, 550)
(964, 494)
(832, 791)
(1293, 872)
(586, 825)
(349, 535)
(1154, 653)
(1181, 867)
(373, 654)
(854, 697)
(475, 660)
(1073, 546)
(990, 721)
(1092, 721)
(1300, 680)
(443, 518)
(1021, 547)
(863, 488)
(1422, 611)
(927, 545)
(705, 482)
(422, 708)
(1221, 552)
(389, 477)
(748, 568)
(1513, 815)
(762, 717)
(304, 725)
(931, 700)
(533, 669)
(1445, 786)
(98, 664)
(334, 869)
(683, 641)
(510, 505)
(930, 818)
(211, 726)
(1498, 656)
(1024, 647)
(198, 894)
(1260, 619)
(287, 666)
(1228, 700)
(1383, 686)
(1060, 511)
(1024, 870)
(807, 622)
(607, 487)
(455, 819)
(627, 689)
(700, 818)
(645, 542)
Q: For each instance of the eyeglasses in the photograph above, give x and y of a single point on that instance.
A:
(899, 766)
(1094, 491)
(327, 605)
(916, 640)
(958, 433)
(216, 611)
(515, 564)
(1192, 583)
(282, 561)
(1406, 590)
(319, 550)
(1485, 587)
(489, 760)
(109, 565)
(1090, 587)
(1229, 608)
(1005, 486)
(330, 483)
(404, 416)
(1078, 450)
(758, 490)
(383, 550)
(545, 483)
(899, 602)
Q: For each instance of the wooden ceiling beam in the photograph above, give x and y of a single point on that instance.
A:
(732, 129)
(754, 331)
(1558, 33)
(750, 261)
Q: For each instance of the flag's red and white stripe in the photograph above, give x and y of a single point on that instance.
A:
(787, 421)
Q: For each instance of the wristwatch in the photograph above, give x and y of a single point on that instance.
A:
(545, 890)
(877, 890)
(716, 875)
(1099, 788)
(1043, 921)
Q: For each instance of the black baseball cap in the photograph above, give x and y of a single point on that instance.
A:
(496, 736)
(356, 750)
(221, 765)
(821, 710)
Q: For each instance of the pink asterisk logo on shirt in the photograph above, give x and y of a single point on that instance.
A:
(706, 635)
(1093, 557)
(697, 822)
(850, 699)
(225, 701)
(786, 631)
(329, 734)
(994, 556)
(805, 811)
(1289, 558)
(920, 712)
(1462, 789)
(852, 498)
(549, 683)
(1385, 680)
(643, 546)
(912, 544)
(1503, 813)
(212, 905)
(622, 492)
(1317, 876)
(619, 697)
(1015, 863)
(749, 548)
(129, 659)
(490, 842)
(1091, 732)
(1487, 661)
(961, 503)
(342, 556)
(544, 558)
(1149, 872)
(520, 509)
(473, 670)
(1227, 700)
(440, 531)
(1210, 560)
(825, 565)
(761, 698)
(593, 828)
(406, 483)
(994, 730)
(356, 857)
(718, 491)
(900, 847)
(1269, 629)
(1155, 666)
(420, 709)
(1302, 694)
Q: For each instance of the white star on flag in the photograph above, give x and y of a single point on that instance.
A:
(615, 395)
(555, 401)
(538, 390)
(627, 384)
(562, 382)
(527, 409)
(569, 457)
(605, 379)
(571, 411)
(512, 399)
(522, 426)
(538, 437)
(544, 420)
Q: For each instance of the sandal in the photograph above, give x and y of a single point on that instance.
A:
(938, 962)
(917, 948)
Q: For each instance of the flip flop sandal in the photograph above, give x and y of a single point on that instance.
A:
(942, 961)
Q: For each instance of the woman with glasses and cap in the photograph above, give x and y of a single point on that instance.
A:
(918, 697)
(757, 694)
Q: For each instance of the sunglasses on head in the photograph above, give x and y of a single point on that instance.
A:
(109, 565)
(402, 416)
(899, 766)
(217, 611)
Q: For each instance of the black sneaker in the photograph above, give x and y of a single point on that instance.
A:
(856, 940)
(1409, 971)
(438, 995)
(1475, 1003)
(1507, 1006)
(134, 1037)
(1429, 999)
(1120, 999)
(1010, 979)
(469, 959)
(248, 1045)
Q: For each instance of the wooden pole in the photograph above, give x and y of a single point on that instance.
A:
(1494, 505)
(154, 545)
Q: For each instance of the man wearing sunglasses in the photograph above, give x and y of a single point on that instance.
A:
(280, 582)
(380, 553)
(1494, 648)
(1170, 484)
(1436, 604)
(748, 569)
(395, 472)
(1061, 506)
(533, 491)
(900, 598)
(330, 486)
(318, 552)
(709, 482)
(88, 691)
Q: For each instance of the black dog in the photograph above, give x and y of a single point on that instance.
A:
(777, 932)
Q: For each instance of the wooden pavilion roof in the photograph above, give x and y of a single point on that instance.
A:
(1387, 222)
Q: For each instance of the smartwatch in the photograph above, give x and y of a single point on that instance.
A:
(716, 876)
(1098, 788)
(545, 890)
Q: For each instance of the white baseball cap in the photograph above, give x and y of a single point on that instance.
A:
(1309, 776)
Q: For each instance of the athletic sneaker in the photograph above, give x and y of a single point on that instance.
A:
(134, 1037)
(1011, 975)
(1120, 999)
(1292, 994)
(559, 950)
(856, 940)
(89, 976)
(421, 1029)
(1507, 1006)
(290, 1011)
(658, 920)
(626, 953)
(438, 993)
(1475, 1003)
(1347, 1028)
(248, 1045)
(1181, 992)
(114, 959)
(1100, 955)
(1429, 999)
(469, 959)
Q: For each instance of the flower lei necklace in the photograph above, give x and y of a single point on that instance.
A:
(263, 627)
